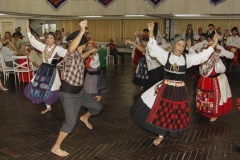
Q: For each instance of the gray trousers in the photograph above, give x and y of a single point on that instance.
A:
(72, 104)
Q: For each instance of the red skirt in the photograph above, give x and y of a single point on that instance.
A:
(170, 110)
(208, 97)
(137, 56)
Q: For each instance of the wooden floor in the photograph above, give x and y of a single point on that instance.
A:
(25, 134)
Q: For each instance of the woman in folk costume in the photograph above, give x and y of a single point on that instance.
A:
(45, 85)
(207, 41)
(167, 113)
(137, 54)
(94, 83)
(141, 73)
(213, 94)
(155, 69)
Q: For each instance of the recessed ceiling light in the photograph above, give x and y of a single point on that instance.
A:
(186, 15)
(134, 15)
(90, 16)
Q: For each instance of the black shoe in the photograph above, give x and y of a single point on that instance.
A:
(237, 147)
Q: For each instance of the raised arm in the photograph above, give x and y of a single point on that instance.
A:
(88, 53)
(197, 47)
(140, 48)
(74, 44)
(35, 43)
(154, 49)
(225, 53)
(196, 59)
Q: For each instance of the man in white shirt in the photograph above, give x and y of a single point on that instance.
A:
(233, 44)
(65, 37)
(63, 33)
(211, 30)
(7, 54)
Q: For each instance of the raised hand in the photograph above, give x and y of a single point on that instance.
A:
(216, 37)
(83, 25)
(27, 23)
(233, 50)
(150, 26)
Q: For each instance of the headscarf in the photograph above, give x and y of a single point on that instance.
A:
(93, 43)
(175, 40)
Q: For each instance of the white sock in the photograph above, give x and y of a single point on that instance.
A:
(160, 136)
(48, 106)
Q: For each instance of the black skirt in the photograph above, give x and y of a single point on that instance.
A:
(169, 114)
(154, 76)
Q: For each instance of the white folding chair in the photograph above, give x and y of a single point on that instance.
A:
(111, 57)
(6, 70)
(21, 68)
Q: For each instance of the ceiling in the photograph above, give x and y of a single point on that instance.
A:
(165, 16)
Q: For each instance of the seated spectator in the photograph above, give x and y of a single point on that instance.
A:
(65, 45)
(17, 41)
(114, 52)
(8, 38)
(59, 39)
(65, 37)
(22, 51)
(7, 54)
(36, 59)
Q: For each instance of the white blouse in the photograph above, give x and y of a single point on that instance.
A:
(233, 41)
(152, 62)
(95, 63)
(204, 43)
(41, 46)
(191, 59)
(219, 68)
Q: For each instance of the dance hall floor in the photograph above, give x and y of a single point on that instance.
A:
(26, 134)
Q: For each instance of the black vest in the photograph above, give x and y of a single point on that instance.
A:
(177, 75)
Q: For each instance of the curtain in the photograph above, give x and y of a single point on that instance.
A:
(71, 25)
(137, 25)
(234, 23)
(103, 30)
(100, 30)
(119, 30)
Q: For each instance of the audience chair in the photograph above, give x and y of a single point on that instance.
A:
(6, 70)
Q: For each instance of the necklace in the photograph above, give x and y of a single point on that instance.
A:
(48, 54)
(175, 63)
